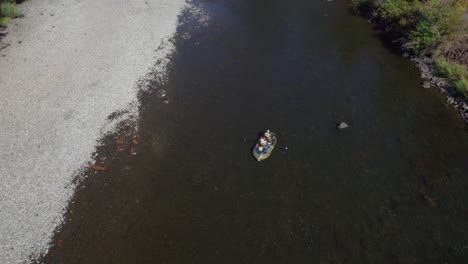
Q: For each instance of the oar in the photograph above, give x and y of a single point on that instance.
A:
(252, 140)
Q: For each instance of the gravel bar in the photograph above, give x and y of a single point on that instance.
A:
(65, 66)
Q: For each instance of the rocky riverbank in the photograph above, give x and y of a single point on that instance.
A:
(433, 35)
(429, 74)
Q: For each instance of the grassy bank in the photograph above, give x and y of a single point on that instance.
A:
(8, 10)
(435, 28)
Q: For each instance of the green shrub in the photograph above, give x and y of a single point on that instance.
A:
(462, 86)
(8, 9)
(4, 21)
(450, 70)
(446, 16)
(394, 10)
(417, 24)
(399, 16)
(422, 36)
(457, 73)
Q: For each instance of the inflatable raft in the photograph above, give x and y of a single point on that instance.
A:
(263, 152)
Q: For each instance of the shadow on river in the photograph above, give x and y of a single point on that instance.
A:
(391, 188)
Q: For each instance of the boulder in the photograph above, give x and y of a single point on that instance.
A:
(342, 125)
(426, 85)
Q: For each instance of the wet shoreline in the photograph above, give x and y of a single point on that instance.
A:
(453, 97)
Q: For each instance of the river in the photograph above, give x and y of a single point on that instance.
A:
(391, 188)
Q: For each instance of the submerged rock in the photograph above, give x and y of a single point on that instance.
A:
(429, 200)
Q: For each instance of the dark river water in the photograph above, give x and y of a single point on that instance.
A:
(391, 188)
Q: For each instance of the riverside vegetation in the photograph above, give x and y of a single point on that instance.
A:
(8, 10)
(435, 29)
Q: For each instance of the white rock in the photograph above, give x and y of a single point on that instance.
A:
(342, 125)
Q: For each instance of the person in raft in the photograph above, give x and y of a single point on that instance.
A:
(263, 141)
(268, 136)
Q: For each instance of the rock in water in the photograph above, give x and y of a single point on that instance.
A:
(342, 125)
(426, 85)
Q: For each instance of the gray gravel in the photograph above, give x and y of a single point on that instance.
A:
(69, 65)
